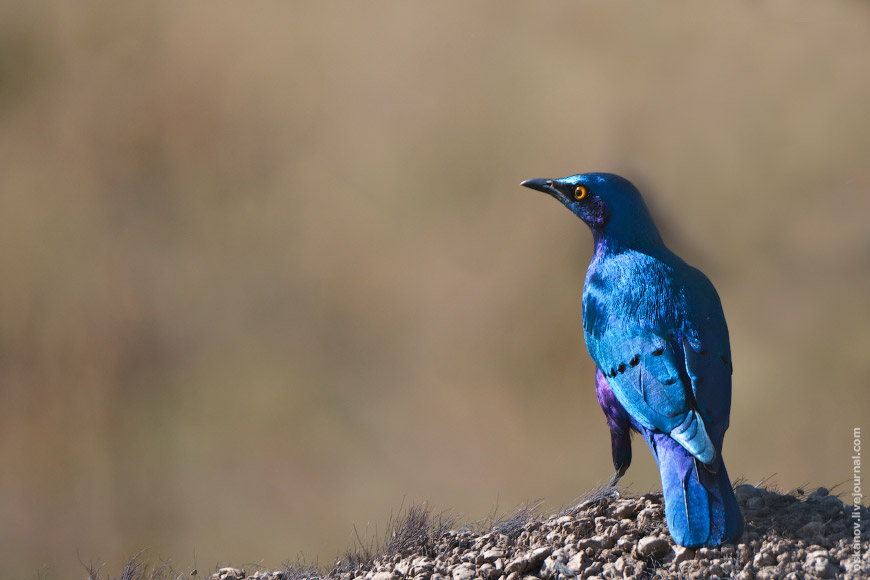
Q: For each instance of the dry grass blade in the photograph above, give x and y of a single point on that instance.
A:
(416, 531)
(513, 525)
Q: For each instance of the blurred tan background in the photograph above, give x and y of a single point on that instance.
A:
(266, 271)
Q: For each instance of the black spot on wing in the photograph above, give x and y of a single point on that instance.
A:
(727, 363)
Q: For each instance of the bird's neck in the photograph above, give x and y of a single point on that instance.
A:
(639, 235)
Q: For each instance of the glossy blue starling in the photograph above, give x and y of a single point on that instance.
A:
(655, 328)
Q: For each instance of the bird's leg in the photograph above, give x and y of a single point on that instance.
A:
(617, 475)
(620, 428)
(620, 443)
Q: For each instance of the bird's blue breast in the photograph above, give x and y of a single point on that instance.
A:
(629, 290)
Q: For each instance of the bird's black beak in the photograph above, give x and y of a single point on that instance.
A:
(545, 185)
(548, 186)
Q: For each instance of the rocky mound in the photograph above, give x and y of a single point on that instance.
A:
(788, 536)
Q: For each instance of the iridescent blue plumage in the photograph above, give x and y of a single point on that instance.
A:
(654, 327)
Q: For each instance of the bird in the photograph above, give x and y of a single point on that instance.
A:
(655, 328)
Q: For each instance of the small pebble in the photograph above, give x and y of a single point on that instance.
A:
(681, 554)
(654, 547)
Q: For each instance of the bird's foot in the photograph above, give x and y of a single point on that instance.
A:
(615, 478)
(610, 490)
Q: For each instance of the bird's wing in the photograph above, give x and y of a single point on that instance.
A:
(647, 374)
(707, 354)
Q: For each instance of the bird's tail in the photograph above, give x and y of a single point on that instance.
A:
(700, 505)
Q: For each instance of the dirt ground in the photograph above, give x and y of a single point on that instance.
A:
(788, 536)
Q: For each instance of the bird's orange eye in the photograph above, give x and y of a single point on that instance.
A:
(580, 192)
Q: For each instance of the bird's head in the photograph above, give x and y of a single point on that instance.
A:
(609, 204)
